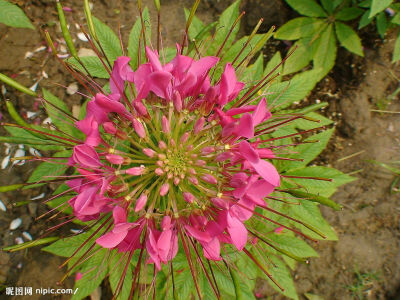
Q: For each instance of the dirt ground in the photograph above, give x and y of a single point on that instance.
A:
(363, 264)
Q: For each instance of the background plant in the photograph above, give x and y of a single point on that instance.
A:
(12, 15)
(309, 193)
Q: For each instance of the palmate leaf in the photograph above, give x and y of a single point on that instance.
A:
(95, 270)
(378, 5)
(109, 41)
(283, 94)
(57, 112)
(12, 15)
(298, 28)
(309, 8)
(325, 51)
(223, 27)
(348, 38)
(46, 170)
(92, 64)
(134, 37)
(116, 270)
(274, 63)
(320, 187)
(293, 245)
(300, 58)
(349, 13)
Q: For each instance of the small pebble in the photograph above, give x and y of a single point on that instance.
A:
(72, 88)
(27, 236)
(28, 54)
(31, 114)
(39, 49)
(5, 162)
(47, 121)
(34, 152)
(15, 223)
(2, 206)
(82, 37)
(19, 266)
(19, 240)
(39, 196)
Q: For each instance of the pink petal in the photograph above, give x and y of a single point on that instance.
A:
(111, 239)
(245, 127)
(159, 82)
(212, 250)
(261, 112)
(248, 152)
(119, 215)
(267, 171)
(115, 159)
(153, 59)
(203, 65)
(237, 231)
(86, 156)
(141, 202)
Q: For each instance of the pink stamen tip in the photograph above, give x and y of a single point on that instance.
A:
(207, 150)
(176, 180)
(188, 197)
(139, 129)
(159, 163)
(149, 152)
(109, 127)
(184, 137)
(199, 125)
(165, 125)
(192, 171)
(177, 101)
(173, 144)
(200, 162)
(135, 171)
(209, 178)
(189, 148)
(164, 189)
(194, 180)
(141, 202)
(159, 171)
(115, 159)
(162, 145)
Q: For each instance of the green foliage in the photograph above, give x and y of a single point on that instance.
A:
(386, 15)
(317, 33)
(12, 15)
(316, 37)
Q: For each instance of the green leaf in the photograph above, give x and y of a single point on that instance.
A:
(274, 62)
(396, 52)
(58, 118)
(12, 15)
(134, 37)
(309, 212)
(23, 133)
(92, 64)
(328, 6)
(310, 151)
(308, 8)
(224, 26)
(396, 19)
(109, 41)
(255, 71)
(116, 270)
(348, 38)
(379, 5)
(381, 24)
(298, 28)
(292, 244)
(282, 275)
(365, 20)
(283, 94)
(94, 270)
(325, 53)
(300, 57)
(30, 244)
(230, 55)
(11, 187)
(46, 170)
(316, 198)
(196, 26)
(349, 13)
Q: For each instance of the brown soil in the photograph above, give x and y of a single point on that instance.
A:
(369, 224)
